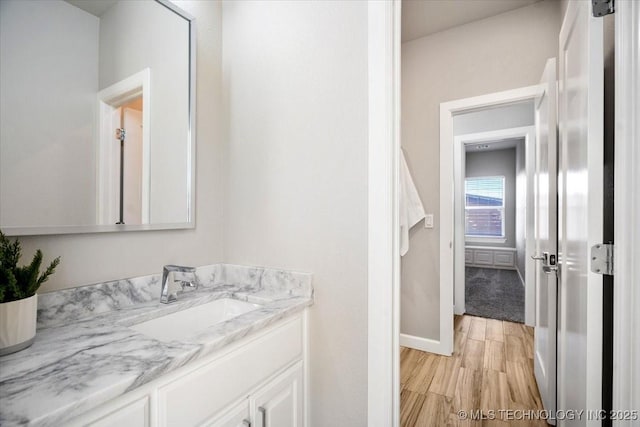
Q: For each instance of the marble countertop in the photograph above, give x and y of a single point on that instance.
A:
(85, 353)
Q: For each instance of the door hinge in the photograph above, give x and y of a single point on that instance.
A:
(121, 134)
(603, 7)
(602, 261)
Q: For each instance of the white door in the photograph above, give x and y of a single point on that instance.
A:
(279, 403)
(580, 210)
(132, 198)
(546, 234)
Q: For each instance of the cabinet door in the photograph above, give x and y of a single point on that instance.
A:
(279, 403)
(238, 416)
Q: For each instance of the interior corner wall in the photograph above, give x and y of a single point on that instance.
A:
(497, 163)
(295, 81)
(503, 52)
(96, 257)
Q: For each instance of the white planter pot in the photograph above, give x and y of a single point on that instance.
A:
(18, 324)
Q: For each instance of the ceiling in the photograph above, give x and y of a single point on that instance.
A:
(94, 7)
(423, 17)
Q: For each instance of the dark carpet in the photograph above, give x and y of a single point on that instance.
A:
(493, 293)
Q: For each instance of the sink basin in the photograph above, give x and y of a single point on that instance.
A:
(191, 321)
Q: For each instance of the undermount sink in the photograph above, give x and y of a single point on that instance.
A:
(191, 321)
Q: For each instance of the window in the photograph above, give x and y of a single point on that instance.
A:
(484, 207)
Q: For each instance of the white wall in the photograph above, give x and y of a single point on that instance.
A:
(296, 88)
(490, 119)
(46, 113)
(497, 163)
(499, 53)
(91, 258)
(521, 209)
(135, 35)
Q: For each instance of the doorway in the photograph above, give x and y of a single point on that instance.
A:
(494, 221)
(123, 152)
(452, 205)
(626, 107)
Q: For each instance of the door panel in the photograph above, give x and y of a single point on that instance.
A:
(580, 203)
(279, 403)
(546, 238)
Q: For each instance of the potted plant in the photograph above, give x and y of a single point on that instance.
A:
(18, 299)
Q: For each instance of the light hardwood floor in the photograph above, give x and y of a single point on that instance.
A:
(491, 369)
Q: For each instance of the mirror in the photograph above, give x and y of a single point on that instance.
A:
(96, 116)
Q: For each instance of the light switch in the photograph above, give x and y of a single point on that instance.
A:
(428, 221)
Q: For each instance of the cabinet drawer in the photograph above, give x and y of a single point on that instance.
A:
(135, 414)
(199, 395)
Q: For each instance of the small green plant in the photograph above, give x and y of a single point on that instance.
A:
(20, 282)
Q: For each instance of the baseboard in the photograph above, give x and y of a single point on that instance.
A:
(520, 276)
(492, 266)
(423, 344)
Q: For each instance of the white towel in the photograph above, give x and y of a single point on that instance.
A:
(411, 209)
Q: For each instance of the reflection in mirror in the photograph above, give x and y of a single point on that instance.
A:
(96, 111)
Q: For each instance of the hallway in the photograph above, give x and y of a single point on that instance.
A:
(491, 369)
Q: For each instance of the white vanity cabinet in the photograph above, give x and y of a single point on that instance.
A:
(256, 382)
(277, 403)
(238, 416)
(130, 414)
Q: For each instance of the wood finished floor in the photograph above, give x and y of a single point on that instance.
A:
(491, 369)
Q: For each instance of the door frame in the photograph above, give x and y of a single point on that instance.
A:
(383, 371)
(626, 326)
(528, 134)
(447, 170)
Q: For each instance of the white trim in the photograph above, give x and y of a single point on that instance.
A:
(528, 133)
(520, 275)
(626, 335)
(447, 110)
(472, 239)
(306, 421)
(419, 343)
(383, 394)
(500, 248)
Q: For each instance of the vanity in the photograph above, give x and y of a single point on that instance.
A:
(232, 353)
(99, 136)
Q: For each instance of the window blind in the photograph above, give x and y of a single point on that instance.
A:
(484, 206)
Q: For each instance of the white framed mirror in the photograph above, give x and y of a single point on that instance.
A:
(97, 116)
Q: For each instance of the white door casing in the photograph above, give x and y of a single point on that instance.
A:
(383, 362)
(580, 210)
(546, 217)
(626, 353)
(447, 222)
